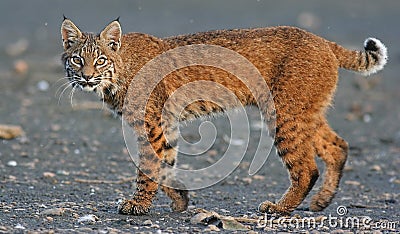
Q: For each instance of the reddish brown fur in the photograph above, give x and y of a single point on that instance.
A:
(300, 68)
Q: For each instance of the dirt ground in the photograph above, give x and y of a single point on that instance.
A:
(70, 168)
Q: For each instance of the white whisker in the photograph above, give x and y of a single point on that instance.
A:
(63, 87)
(67, 85)
(72, 96)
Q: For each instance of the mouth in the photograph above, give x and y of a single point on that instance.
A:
(86, 85)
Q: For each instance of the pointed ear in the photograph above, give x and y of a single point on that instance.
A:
(70, 33)
(111, 34)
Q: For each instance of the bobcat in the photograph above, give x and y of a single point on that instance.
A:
(300, 68)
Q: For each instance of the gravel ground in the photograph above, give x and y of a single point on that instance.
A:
(70, 167)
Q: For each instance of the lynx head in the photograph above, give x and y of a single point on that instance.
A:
(91, 60)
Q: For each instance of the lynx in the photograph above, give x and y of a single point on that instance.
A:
(300, 69)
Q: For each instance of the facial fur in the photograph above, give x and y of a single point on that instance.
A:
(90, 60)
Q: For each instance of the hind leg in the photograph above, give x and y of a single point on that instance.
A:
(294, 143)
(171, 186)
(333, 150)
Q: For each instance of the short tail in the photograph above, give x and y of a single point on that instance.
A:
(367, 62)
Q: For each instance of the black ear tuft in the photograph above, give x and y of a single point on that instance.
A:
(64, 18)
(117, 19)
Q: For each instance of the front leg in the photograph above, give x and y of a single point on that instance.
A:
(147, 178)
(141, 201)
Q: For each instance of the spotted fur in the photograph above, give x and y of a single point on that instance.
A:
(300, 68)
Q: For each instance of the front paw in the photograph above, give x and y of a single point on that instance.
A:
(272, 208)
(132, 207)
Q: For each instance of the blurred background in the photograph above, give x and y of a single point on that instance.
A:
(30, 46)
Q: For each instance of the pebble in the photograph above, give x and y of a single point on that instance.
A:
(21, 67)
(19, 226)
(42, 85)
(247, 180)
(352, 182)
(17, 48)
(53, 211)
(88, 219)
(212, 228)
(258, 177)
(10, 131)
(12, 163)
(375, 168)
(155, 226)
(367, 118)
(198, 218)
(48, 174)
(147, 222)
(55, 127)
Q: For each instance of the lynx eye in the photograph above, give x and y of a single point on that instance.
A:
(77, 60)
(101, 61)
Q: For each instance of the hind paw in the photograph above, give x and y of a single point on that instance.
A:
(320, 201)
(272, 208)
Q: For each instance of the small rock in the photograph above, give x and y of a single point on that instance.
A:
(348, 168)
(62, 172)
(147, 222)
(375, 168)
(53, 211)
(21, 67)
(18, 47)
(367, 118)
(155, 226)
(212, 228)
(233, 225)
(49, 219)
(43, 85)
(8, 132)
(198, 218)
(212, 152)
(247, 180)
(49, 174)
(88, 219)
(19, 226)
(55, 127)
(258, 177)
(352, 182)
(12, 163)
